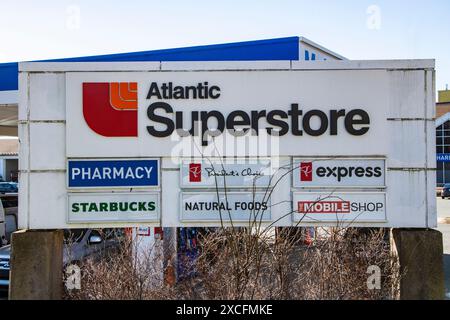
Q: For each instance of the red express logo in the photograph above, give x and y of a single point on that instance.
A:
(110, 109)
(195, 172)
(306, 171)
(307, 207)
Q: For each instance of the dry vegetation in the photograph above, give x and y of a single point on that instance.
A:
(251, 263)
(247, 263)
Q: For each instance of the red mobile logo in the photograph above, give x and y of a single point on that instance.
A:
(110, 109)
(195, 172)
(306, 171)
(323, 207)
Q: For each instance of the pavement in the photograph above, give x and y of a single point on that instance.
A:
(443, 211)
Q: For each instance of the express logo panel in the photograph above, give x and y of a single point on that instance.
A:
(306, 171)
(338, 173)
(110, 109)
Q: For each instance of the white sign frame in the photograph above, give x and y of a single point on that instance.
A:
(409, 122)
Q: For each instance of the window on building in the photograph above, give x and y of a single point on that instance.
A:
(313, 56)
(443, 146)
(306, 55)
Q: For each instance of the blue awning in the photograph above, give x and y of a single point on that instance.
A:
(272, 49)
(9, 76)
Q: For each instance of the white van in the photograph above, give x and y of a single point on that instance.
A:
(2, 224)
(8, 216)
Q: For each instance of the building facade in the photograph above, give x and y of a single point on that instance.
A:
(443, 138)
(290, 48)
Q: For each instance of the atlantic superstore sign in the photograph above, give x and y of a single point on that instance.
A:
(210, 144)
(130, 114)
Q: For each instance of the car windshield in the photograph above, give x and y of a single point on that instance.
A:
(9, 201)
(8, 186)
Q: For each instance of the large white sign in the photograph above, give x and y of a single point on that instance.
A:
(241, 207)
(229, 173)
(339, 173)
(113, 207)
(339, 206)
(80, 123)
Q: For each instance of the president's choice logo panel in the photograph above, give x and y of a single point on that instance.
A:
(226, 173)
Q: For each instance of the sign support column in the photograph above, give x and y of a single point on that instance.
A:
(420, 254)
(36, 265)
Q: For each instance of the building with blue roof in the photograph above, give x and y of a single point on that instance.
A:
(279, 49)
(290, 48)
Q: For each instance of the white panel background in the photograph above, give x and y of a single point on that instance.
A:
(244, 90)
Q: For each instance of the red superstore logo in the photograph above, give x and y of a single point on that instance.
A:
(306, 171)
(195, 172)
(110, 109)
(307, 207)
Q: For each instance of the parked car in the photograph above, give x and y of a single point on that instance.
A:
(445, 191)
(5, 252)
(8, 224)
(2, 224)
(82, 243)
(8, 215)
(79, 244)
(9, 187)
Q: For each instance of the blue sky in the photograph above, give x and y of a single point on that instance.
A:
(357, 29)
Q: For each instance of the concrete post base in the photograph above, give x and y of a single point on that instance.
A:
(36, 265)
(420, 254)
(170, 256)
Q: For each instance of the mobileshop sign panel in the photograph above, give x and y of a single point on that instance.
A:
(159, 114)
(339, 206)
